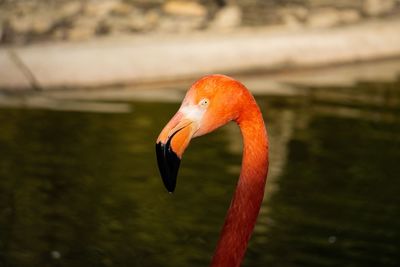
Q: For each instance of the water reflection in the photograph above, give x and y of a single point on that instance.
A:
(82, 189)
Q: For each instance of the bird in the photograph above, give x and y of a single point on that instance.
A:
(211, 102)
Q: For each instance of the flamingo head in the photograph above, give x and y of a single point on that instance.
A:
(211, 102)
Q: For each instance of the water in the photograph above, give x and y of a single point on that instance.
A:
(83, 189)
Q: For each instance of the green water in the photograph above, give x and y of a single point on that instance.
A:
(83, 189)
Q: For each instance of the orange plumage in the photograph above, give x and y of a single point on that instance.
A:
(211, 102)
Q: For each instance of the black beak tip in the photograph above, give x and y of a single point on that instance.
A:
(168, 165)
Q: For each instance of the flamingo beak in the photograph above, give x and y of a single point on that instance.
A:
(170, 145)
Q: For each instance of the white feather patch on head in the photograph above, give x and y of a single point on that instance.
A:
(193, 112)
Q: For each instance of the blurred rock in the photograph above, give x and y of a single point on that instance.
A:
(82, 29)
(291, 21)
(227, 18)
(122, 9)
(134, 22)
(329, 17)
(152, 18)
(378, 7)
(42, 25)
(70, 9)
(293, 16)
(23, 8)
(37, 24)
(184, 8)
(101, 8)
(20, 24)
(348, 16)
(323, 18)
(298, 12)
(180, 24)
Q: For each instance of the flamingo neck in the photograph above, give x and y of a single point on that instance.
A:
(247, 199)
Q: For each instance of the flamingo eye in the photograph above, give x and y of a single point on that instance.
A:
(204, 102)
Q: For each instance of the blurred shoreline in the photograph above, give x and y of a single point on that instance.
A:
(163, 58)
(329, 82)
(64, 45)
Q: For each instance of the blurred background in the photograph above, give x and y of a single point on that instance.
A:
(86, 87)
(30, 21)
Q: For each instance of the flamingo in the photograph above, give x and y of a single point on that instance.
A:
(211, 102)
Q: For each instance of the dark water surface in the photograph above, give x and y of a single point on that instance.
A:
(82, 189)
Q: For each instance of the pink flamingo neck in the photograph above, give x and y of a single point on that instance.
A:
(249, 193)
